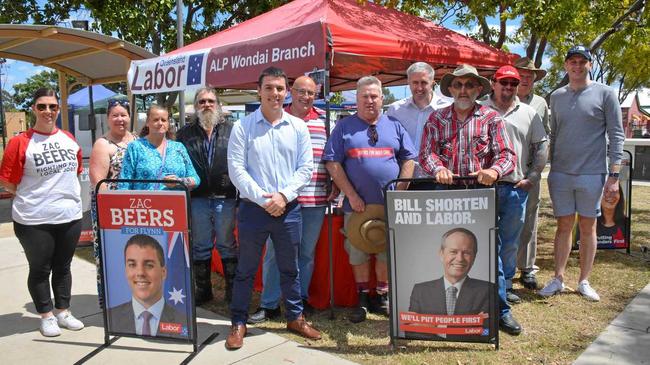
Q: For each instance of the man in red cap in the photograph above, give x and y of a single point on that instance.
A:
(526, 132)
(469, 139)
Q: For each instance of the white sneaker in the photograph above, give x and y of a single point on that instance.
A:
(67, 320)
(554, 286)
(49, 327)
(587, 291)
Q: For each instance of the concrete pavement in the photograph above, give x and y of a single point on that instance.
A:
(22, 343)
(626, 340)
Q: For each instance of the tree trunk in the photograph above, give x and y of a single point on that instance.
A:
(540, 52)
(532, 45)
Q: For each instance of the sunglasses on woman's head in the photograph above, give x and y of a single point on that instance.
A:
(43, 107)
(115, 102)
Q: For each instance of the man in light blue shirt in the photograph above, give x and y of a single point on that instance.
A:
(269, 160)
(414, 111)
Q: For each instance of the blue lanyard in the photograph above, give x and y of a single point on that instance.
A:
(209, 143)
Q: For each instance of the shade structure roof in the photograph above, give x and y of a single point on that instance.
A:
(352, 39)
(90, 57)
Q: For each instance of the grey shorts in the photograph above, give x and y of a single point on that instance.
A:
(572, 194)
(357, 257)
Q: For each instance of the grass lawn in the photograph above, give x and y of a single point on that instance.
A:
(556, 330)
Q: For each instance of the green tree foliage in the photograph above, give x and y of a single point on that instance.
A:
(8, 102)
(157, 29)
(389, 98)
(37, 12)
(618, 31)
(48, 78)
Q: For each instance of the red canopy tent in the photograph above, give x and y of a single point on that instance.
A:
(349, 39)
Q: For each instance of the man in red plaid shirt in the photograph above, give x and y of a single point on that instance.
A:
(465, 138)
(468, 139)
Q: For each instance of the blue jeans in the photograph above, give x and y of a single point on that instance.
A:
(312, 220)
(255, 226)
(213, 218)
(510, 220)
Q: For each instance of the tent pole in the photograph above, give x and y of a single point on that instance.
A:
(91, 117)
(179, 44)
(330, 211)
(63, 89)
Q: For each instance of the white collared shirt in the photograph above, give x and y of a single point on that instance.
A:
(458, 285)
(413, 119)
(155, 310)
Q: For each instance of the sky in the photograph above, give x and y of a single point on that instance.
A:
(13, 72)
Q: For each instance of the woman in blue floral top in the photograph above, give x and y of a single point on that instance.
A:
(155, 156)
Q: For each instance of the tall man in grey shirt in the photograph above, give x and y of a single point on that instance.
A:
(584, 116)
(527, 252)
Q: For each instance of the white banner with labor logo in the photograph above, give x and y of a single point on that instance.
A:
(175, 72)
(442, 250)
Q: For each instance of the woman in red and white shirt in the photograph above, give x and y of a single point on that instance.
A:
(40, 167)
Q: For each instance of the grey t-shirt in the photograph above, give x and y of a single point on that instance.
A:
(525, 129)
(539, 104)
(581, 123)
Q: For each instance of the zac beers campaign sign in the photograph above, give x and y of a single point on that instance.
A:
(146, 253)
(442, 255)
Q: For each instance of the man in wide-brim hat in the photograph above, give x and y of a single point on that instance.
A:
(527, 253)
(468, 139)
(465, 138)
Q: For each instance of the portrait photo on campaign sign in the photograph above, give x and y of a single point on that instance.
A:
(442, 252)
(613, 222)
(146, 265)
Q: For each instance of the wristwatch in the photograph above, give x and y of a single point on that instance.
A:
(613, 174)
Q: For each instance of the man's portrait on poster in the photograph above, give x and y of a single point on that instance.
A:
(455, 293)
(147, 313)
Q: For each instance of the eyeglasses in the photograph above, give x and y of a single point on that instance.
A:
(373, 137)
(514, 83)
(206, 101)
(115, 102)
(43, 107)
(303, 92)
(467, 85)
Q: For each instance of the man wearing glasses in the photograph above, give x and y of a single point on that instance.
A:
(213, 201)
(526, 132)
(313, 200)
(469, 139)
(366, 151)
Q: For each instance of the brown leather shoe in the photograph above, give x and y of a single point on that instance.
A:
(235, 339)
(301, 327)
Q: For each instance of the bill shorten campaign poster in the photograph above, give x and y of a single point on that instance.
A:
(442, 257)
(146, 263)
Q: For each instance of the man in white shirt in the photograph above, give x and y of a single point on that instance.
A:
(414, 111)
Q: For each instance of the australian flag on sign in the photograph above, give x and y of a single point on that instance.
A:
(178, 284)
(195, 64)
